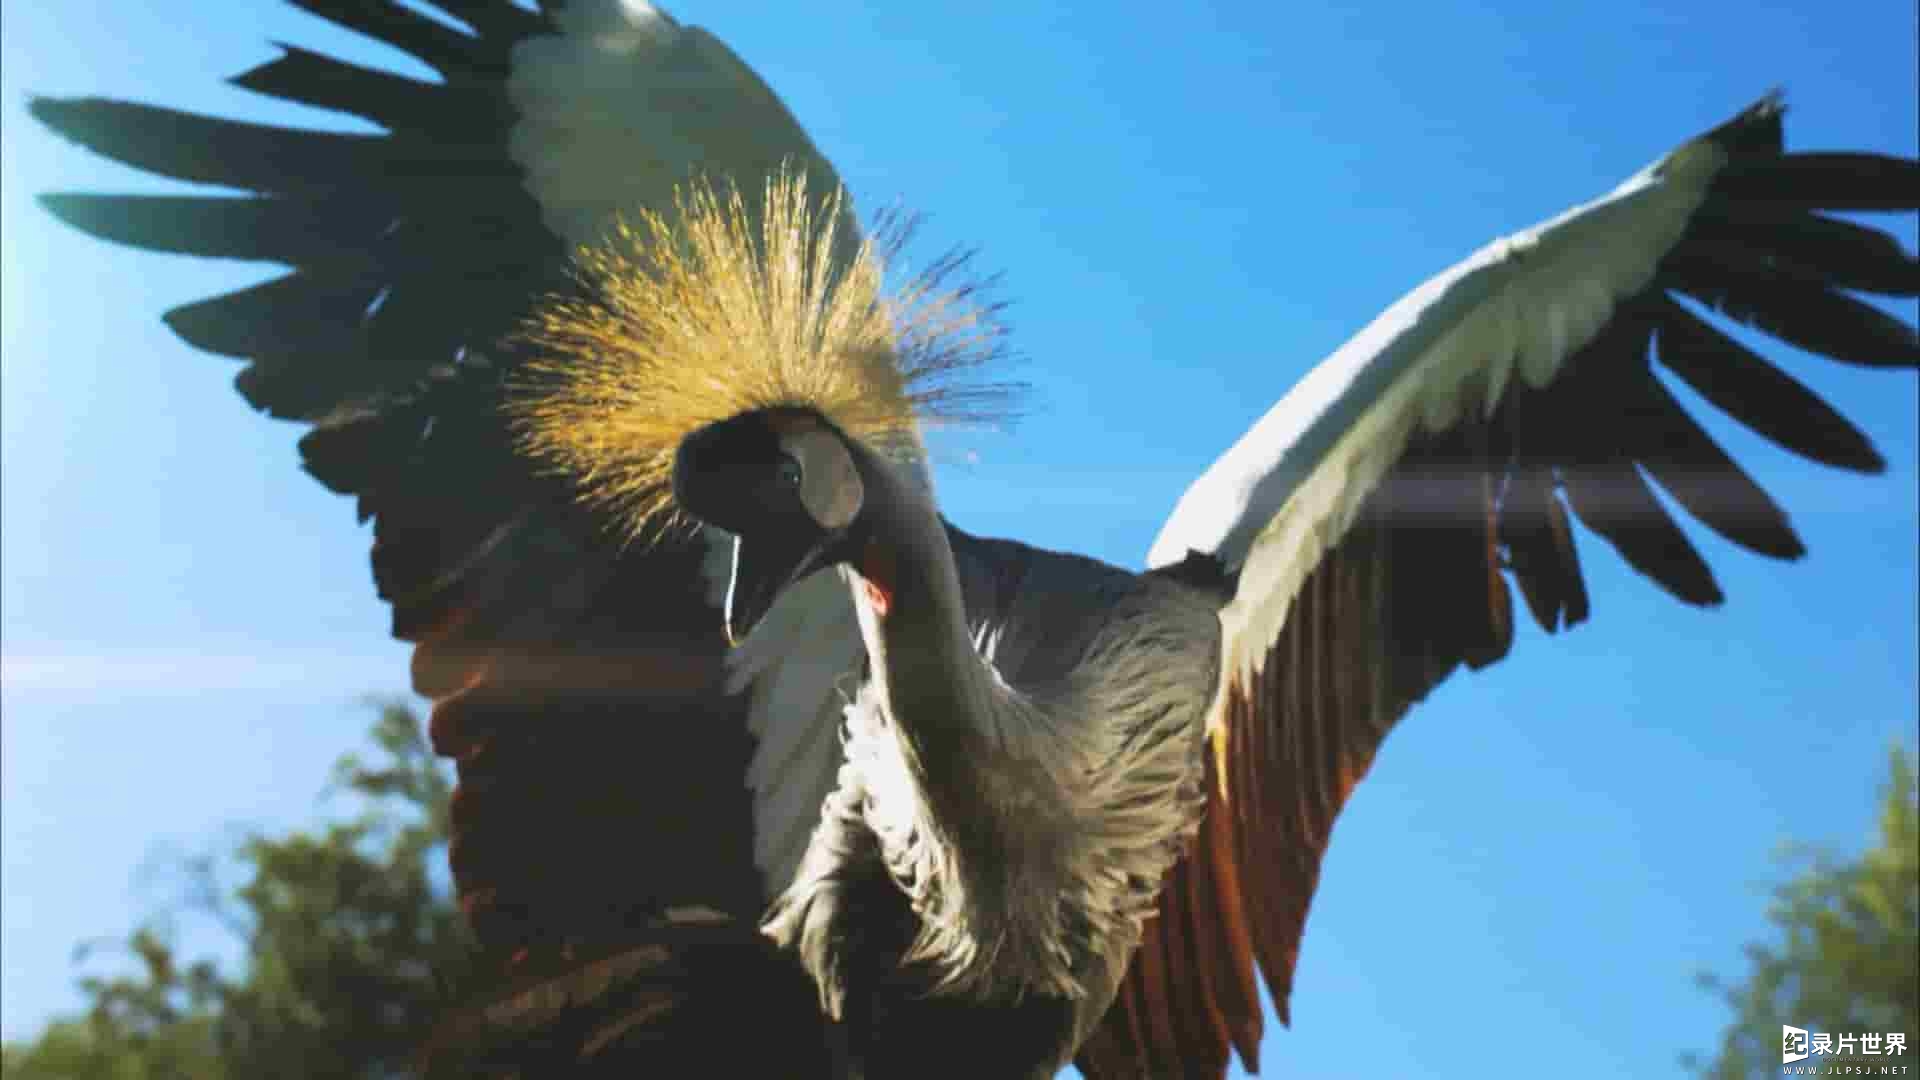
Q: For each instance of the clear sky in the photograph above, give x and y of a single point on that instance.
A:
(1192, 204)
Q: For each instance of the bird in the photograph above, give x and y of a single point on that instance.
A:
(537, 616)
(1045, 753)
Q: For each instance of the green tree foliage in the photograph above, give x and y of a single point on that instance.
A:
(350, 948)
(1847, 952)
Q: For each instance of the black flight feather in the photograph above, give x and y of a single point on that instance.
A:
(1842, 253)
(1700, 476)
(1753, 391)
(1792, 308)
(471, 111)
(1612, 499)
(297, 232)
(443, 48)
(1830, 181)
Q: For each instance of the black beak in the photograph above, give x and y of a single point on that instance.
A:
(763, 568)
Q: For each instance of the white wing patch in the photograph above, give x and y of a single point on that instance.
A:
(799, 663)
(1283, 495)
(625, 103)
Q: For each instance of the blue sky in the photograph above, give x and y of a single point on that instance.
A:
(1191, 206)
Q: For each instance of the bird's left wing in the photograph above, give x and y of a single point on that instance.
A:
(1374, 516)
(601, 813)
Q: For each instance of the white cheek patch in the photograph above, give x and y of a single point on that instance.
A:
(830, 486)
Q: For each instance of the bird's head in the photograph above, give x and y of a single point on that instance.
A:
(734, 362)
(787, 485)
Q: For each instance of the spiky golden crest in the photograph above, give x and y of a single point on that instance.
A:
(721, 310)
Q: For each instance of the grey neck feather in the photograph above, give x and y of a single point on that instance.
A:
(949, 703)
(1029, 824)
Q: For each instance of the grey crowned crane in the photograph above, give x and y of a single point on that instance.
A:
(1001, 807)
(1039, 738)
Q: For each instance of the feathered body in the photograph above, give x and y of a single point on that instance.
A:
(1021, 825)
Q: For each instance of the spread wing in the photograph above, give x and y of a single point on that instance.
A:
(601, 818)
(1377, 514)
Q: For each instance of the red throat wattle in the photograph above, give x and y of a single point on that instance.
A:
(876, 569)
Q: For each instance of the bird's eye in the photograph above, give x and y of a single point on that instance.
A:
(789, 473)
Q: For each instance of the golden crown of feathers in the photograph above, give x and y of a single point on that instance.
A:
(687, 320)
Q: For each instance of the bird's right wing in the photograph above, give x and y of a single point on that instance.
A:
(1374, 516)
(577, 681)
